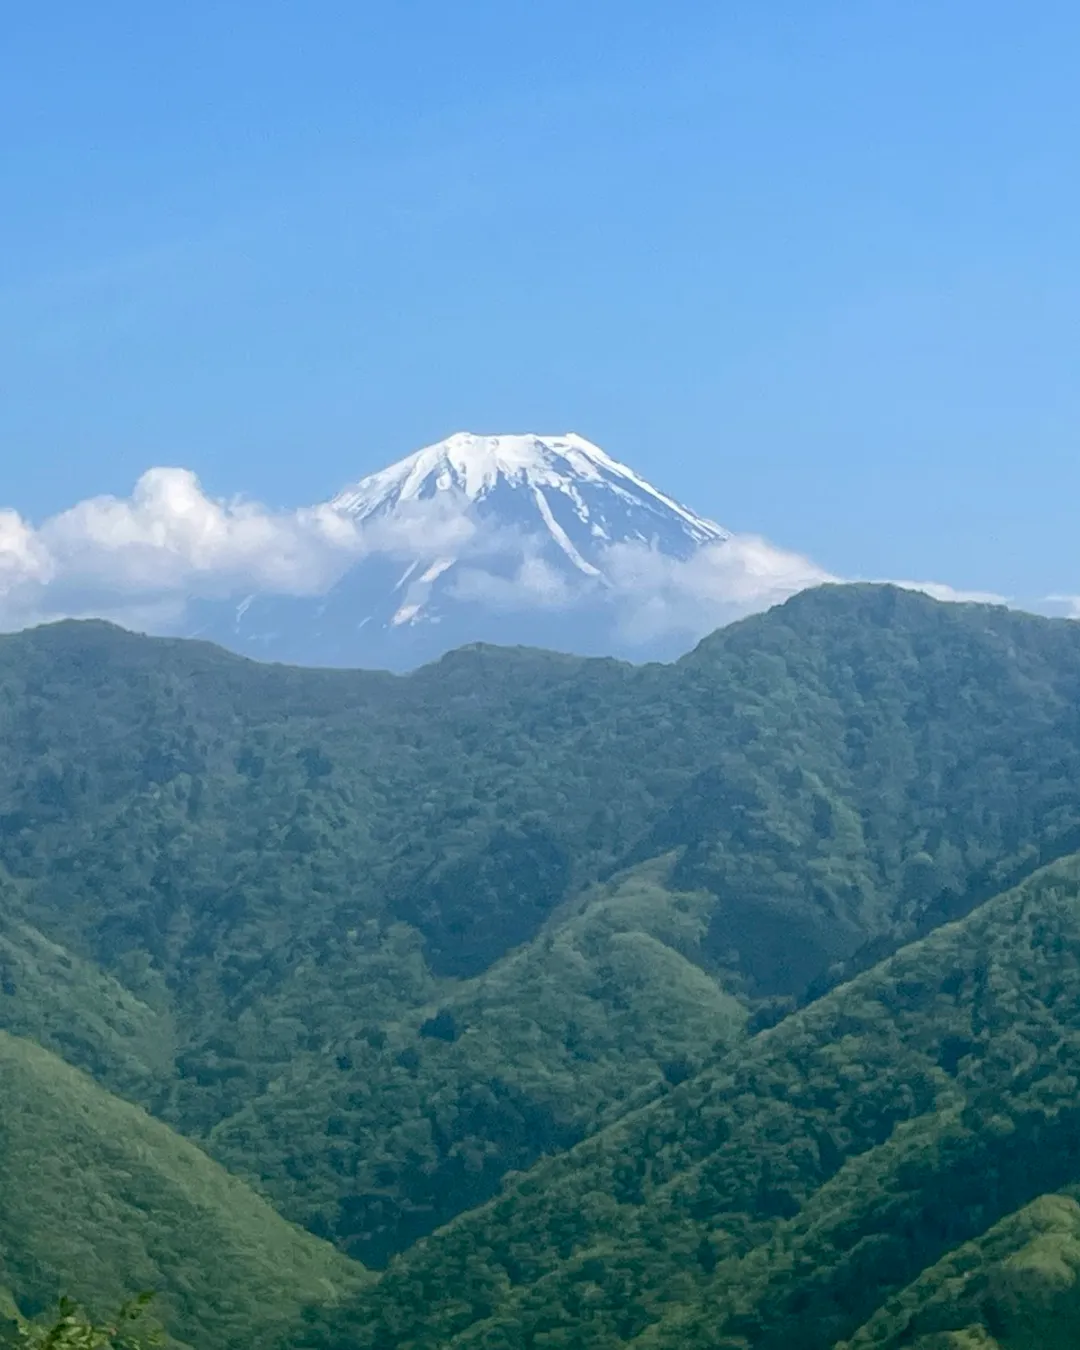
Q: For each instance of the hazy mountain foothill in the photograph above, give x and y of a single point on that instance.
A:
(529, 1001)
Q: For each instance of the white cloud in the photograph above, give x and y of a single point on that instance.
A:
(439, 525)
(652, 595)
(169, 536)
(505, 570)
(140, 558)
(657, 597)
(660, 596)
(1061, 606)
(938, 591)
(23, 557)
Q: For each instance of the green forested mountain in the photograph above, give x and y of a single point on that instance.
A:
(795, 1192)
(1017, 1288)
(99, 1201)
(425, 1114)
(375, 942)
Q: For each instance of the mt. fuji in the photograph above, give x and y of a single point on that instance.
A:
(542, 540)
(562, 484)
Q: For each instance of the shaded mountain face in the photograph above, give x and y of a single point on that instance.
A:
(516, 539)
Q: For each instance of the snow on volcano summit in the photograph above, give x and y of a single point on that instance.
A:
(579, 493)
(493, 538)
(475, 466)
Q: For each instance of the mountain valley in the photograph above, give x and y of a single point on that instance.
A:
(724, 1002)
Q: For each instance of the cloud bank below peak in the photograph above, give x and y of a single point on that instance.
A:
(169, 542)
(142, 560)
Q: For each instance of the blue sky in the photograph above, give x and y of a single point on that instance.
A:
(812, 267)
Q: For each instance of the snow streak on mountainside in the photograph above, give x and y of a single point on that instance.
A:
(566, 476)
(507, 539)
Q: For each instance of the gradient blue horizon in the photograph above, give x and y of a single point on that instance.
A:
(812, 268)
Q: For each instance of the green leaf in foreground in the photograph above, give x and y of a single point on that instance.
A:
(71, 1327)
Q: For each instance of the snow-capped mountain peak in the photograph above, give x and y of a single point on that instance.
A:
(497, 538)
(473, 464)
(474, 467)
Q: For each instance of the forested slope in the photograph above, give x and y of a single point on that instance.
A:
(1015, 1288)
(375, 941)
(783, 1195)
(268, 881)
(99, 1201)
(426, 1113)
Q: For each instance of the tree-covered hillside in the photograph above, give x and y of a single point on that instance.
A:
(428, 1112)
(1015, 1288)
(816, 1185)
(99, 1201)
(374, 941)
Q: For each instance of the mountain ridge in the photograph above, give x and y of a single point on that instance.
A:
(795, 1184)
(807, 785)
(376, 943)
